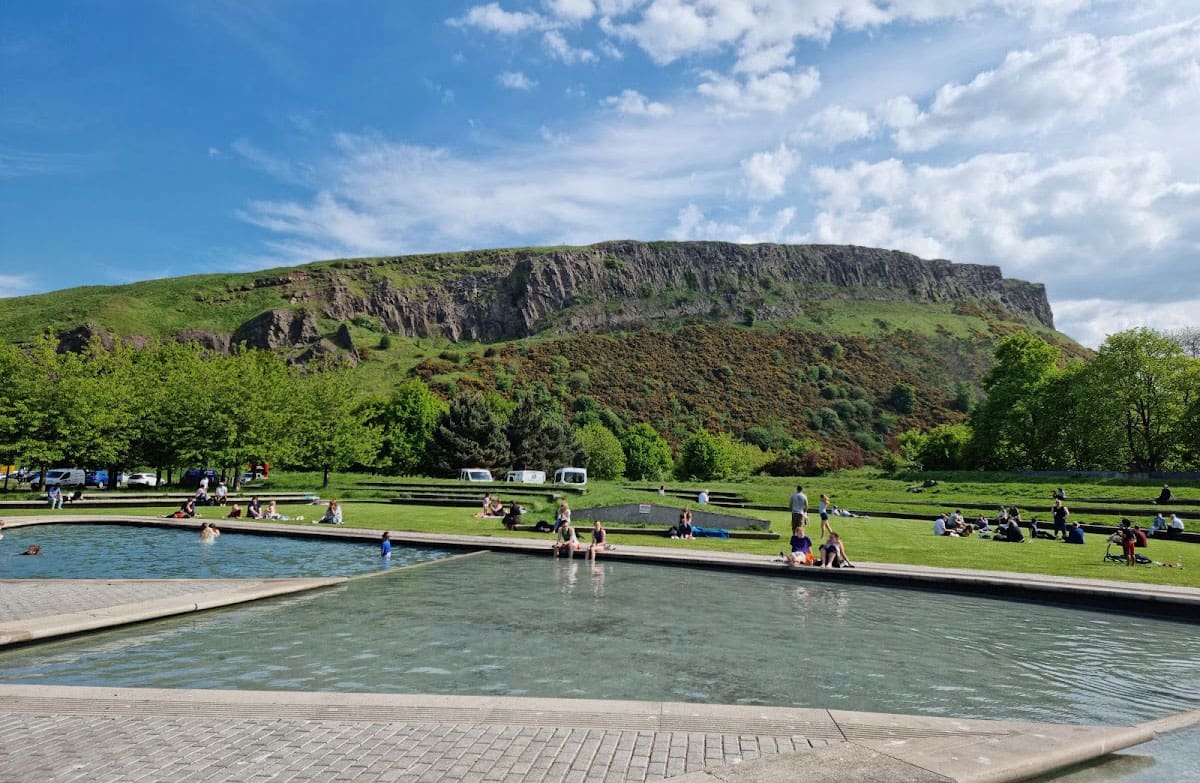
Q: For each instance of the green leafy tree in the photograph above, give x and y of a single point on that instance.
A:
(332, 431)
(1006, 423)
(703, 457)
(902, 398)
(406, 421)
(468, 434)
(647, 453)
(1143, 374)
(944, 447)
(539, 438)
(605, 458)
(255, 415)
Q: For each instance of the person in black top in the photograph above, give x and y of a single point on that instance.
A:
(1061, 513)
(1164, 496)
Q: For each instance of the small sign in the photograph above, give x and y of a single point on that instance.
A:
(644, 508)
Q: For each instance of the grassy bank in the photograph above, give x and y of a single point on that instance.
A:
(872, 540)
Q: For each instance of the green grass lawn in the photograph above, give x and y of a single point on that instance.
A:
(871, 540)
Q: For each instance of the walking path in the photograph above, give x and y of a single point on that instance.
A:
(63, 733)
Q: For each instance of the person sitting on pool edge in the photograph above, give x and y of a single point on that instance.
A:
(833, 553)
(801, 553)
(599, 540)
(566, 541)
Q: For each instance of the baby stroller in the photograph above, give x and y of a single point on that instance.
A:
(1119, 555)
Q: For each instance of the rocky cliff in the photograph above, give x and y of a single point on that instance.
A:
(502, 295)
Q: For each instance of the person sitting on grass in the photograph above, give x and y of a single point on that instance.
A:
(513, 517)
(1139, 537)
(833, 553)
(333, 514)
(1164, 496)
(562, 516)
(1074, 534)
(272, 512)
(235, 512)
(254, 508)
(981, 525)
(186, 511)
(685, 529)
(801, 553)
(486, 511)
(1010, 533)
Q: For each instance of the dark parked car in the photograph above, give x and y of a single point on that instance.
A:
(192, 478)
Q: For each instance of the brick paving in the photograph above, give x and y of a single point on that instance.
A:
(102, 748)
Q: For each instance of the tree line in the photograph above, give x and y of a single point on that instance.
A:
(1132, 406)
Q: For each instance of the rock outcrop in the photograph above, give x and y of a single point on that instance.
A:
(277, 329)
(519, 293)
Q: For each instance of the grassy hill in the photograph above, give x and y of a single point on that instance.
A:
(804, 339)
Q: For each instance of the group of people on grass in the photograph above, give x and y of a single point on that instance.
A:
(832, 553)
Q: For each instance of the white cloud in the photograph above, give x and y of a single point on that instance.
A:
(559, 49)
(494, 19)
(515, 80)
(755, 226)
(214, 152)
(1089, 321)
(765, 174)
(16, 285)
(763, 31)
(836, 125)
(375, 196)
(632, 103)
(1072, 80)
(1059, 221)
(772, 92)
(571, 10)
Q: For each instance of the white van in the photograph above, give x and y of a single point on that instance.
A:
(526, 476)
(65, 477)
(475, 474)
(575, 476)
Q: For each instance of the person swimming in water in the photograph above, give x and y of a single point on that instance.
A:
(34, 549)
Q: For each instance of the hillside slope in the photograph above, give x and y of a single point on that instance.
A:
(804, 338)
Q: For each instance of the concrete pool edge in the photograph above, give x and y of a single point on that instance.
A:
(1166, 601)
(226, 592)
(843, 744)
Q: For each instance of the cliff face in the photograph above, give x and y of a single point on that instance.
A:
(613, 284)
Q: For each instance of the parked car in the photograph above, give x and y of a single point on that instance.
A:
(141, 480)
(475, 474)
(65, 477)
(526, 476)
(192, 478)
(575, 476)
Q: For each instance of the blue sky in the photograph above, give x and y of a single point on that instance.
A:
(1054, 138)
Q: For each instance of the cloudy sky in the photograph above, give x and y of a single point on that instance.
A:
(1054, 138)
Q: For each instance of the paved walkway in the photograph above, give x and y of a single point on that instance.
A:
(60, 733)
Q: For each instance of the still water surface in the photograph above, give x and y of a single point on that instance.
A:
(516, 625)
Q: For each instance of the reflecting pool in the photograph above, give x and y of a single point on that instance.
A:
(500, 624)
(124, 552)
